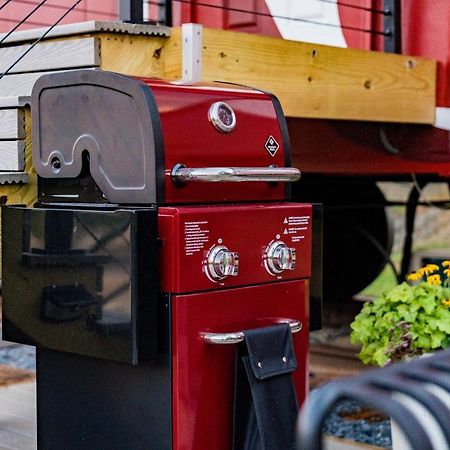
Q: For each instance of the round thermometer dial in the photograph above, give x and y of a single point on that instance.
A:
(222, 117)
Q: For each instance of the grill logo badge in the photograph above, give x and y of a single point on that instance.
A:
(272, 145)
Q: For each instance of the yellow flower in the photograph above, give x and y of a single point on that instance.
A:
(425, 271)
(447, 272)
(434, 280)
(445, 263)
(446, 302)
(414, 276)
(432, 267)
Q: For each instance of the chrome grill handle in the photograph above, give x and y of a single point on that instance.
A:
(238, 336)
(182, 174)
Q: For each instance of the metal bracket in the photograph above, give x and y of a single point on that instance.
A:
(392, 26)
(131, 11)
(192, 36)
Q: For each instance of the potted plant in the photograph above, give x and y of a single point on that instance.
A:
(408, 320)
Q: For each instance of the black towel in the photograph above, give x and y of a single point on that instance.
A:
(265, 407)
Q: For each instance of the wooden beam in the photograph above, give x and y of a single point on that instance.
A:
(12, 124)
(52, 55)
(134, 54)
(317, 81)
(311, 81)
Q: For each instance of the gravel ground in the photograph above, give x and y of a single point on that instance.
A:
(21, 356)
(374, 433)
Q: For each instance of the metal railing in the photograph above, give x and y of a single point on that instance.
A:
(416, 395)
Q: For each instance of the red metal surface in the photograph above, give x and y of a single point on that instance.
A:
(188, 233)
(203, 374)
(191, 139)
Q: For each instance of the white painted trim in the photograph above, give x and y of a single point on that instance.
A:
(53, 55)
(21, 84)
(14, 102)
(442, 118)
(12, 155)
(12, 124)
(93, 26)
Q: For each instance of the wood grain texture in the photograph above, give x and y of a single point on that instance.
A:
(18, 428)
(12, 124)
(317, 81)
(12, 155)
(133, 55)
(52, 55)
(19, 85)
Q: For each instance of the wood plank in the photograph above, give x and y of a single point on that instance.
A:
(12, 124)
(17, 441)
(133, 55)
(88, 27)
(18, 428)
(12, 155)
(20, 85)
(14, 102)
(334, 443)
(312, 81)
(52, 55)
(317, 81)
(25, 410)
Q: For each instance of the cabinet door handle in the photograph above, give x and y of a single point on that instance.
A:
(238, 336)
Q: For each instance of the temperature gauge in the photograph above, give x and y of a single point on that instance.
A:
(222, 117)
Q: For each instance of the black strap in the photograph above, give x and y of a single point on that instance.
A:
(265, 407)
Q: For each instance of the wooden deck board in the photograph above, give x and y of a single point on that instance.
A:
(18, 417)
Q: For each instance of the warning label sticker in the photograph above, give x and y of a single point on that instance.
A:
(196, 236)
(272, 145)
(295, 226)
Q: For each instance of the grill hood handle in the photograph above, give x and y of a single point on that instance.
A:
(183, 174)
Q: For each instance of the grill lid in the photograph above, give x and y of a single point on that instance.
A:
(75, 116)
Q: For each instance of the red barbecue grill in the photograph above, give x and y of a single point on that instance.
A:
(144, 263)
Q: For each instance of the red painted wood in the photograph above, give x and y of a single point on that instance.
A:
(246, 229)
(354, 148)
(228, 20)
(203, 374)
(52, 10)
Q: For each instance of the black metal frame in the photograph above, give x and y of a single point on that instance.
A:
(392, 26)
(132, 11)
(375, 389)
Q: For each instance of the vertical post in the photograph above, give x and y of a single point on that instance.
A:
(165, 13)
(131, 11)
(392, 26)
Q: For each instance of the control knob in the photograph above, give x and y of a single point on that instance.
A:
(279, 257)
(221, 263)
